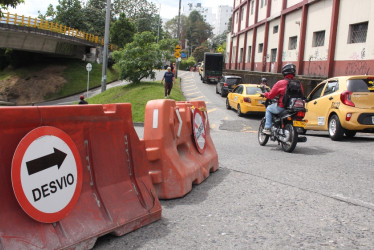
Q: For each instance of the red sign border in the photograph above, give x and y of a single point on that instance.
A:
(16, 174)
(201, 150)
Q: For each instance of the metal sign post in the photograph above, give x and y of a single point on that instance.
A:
(88, 68)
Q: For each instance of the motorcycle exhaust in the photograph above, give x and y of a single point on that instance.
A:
(302, 139)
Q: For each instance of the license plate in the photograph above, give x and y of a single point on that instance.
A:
(299, 124)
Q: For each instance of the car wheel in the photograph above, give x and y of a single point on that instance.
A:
(228, 104)
(350, 133)
(335, 129)
(238, 111)
(222, 93)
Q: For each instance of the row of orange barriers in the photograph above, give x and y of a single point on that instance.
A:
(177, 158)
(71, 174)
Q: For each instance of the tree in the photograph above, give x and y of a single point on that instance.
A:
(138, 58)
(198, 53)
(167, 47)
(4, 4)
(171, 26)
(49, 15)
(197, 30)
(69, 13)
(94, 17)
(122, 31)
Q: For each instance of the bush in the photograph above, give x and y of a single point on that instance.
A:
(187, 63)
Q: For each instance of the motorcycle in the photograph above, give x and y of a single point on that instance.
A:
(285, 126)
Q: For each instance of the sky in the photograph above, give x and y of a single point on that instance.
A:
(169, 8)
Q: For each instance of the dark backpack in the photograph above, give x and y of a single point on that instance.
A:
(293, 90)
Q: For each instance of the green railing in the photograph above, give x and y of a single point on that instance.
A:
(54, 27)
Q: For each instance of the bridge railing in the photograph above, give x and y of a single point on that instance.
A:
(51, 26)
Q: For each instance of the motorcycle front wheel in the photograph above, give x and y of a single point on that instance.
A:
(262, 138)
(290, 133)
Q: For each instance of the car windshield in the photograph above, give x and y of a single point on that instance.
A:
(253, 90)
(234, 80)
(361, 85)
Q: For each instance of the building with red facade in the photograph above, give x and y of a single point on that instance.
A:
(323, 38)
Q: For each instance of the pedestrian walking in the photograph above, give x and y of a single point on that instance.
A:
(169, 80)
(82, 100)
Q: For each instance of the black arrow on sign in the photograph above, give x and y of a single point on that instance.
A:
(44, 162)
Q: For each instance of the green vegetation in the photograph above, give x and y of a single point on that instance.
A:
(138, 95)
(76, 76)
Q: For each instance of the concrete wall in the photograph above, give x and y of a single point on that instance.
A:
(291, 3)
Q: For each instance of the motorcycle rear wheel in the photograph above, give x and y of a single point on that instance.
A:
(262, 138)
(290, 145)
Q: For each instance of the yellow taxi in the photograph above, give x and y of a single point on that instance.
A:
(245, 99)
(342, 105)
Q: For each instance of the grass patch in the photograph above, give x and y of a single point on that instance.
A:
(138, 95)
(76, 76)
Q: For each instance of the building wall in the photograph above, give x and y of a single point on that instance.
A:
(315, 58)
(262, 10)
(273, 42)
(223, 16)
(276, 7)
(291, 3)
(259, 40)
(243, 17)
(292, 29)
(251, 16)
(335, 55)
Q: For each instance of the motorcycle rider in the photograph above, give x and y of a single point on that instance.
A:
(278, 89)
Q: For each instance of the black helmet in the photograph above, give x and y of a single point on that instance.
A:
(289, 68)
(263, 79)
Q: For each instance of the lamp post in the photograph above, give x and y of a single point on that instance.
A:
(106, 45)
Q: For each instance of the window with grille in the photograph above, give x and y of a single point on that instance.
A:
(273, 55)
(292, 43)
(241, 55)
(249, 53)
(358, 32)
(253, 6)
(237, 17)
(318, 39)
(275, 29)
(242, 14)
(260, 47)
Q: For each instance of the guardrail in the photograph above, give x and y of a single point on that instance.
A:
(16, 19)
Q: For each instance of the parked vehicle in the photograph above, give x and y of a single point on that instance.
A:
(212, 68)
(201, 69)
(227, 83)
(284, 126)
(342, 105)
(245, 99)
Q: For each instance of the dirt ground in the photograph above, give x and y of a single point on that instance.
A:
(33, 88)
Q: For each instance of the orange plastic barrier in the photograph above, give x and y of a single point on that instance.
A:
(177, 161)
(70, 174)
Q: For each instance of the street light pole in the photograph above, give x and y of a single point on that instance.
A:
(179, 35)
(106, 45)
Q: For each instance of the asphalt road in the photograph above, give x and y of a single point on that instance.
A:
(321, 196)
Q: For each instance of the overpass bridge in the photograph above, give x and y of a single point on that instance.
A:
(36, 35)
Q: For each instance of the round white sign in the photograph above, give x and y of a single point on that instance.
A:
(89, 67)
(47, 174)
(199, 131)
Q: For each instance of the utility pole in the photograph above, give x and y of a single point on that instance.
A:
(159, 21)
(106, 45)
(179, 36)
